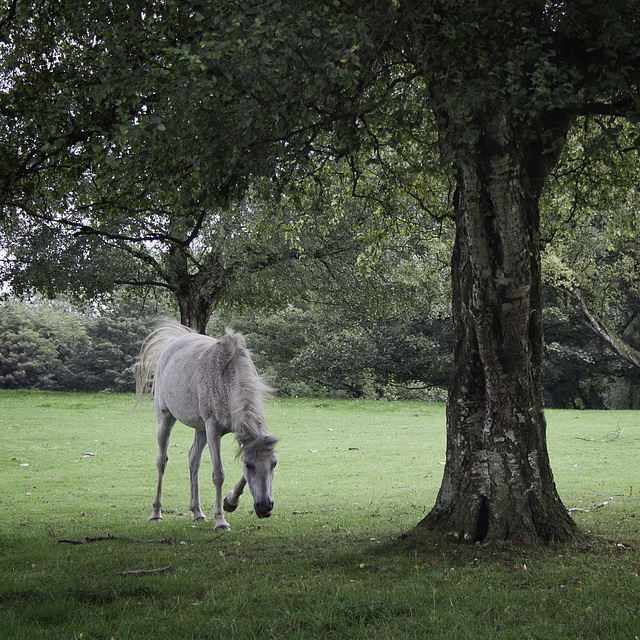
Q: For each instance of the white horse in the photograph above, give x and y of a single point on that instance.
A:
(212, 386)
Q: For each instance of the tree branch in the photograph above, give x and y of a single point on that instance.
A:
(608, 335)
(620, 108)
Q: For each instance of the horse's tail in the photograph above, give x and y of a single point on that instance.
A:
(252, 389)
(167, 331)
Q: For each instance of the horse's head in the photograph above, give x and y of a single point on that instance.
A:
(259, 461)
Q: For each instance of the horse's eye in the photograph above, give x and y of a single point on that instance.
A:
(249, 466)
(274, 465)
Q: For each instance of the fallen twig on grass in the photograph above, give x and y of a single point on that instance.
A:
(122, 539)
(144, 572)
(597, 506)
(610, 437)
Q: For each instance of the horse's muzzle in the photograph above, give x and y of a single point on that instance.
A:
(263, 509)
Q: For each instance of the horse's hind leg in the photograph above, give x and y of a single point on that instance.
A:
(195, 459)
(165, 424)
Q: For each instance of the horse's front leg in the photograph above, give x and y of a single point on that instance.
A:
(195, 459)
(213, 439)
(233, 497)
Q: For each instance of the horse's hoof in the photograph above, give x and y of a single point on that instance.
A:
(222, 527)
(155, 518)
(229, 508)
(200, 517)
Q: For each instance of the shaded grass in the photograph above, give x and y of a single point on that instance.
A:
(353, 477)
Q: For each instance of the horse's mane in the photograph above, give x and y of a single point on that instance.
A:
(246, 403)
(166, 331)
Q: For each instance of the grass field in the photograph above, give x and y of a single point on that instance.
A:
(352, 477)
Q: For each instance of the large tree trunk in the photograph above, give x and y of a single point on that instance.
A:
(498, 483)
(197, 293)
(195, 308)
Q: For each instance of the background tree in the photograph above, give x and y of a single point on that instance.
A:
(386, 334)
(51, 345)
(25, 360)
(196, 261)
(158, 120)
(594, 261)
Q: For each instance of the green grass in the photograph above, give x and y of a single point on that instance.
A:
(352, 477)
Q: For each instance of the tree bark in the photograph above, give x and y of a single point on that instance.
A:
(197, 293)
(498, 483)
(195, 308)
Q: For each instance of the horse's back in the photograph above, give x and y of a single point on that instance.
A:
(189, 381)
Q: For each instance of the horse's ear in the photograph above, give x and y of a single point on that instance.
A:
(270, 441)
(234, 338)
